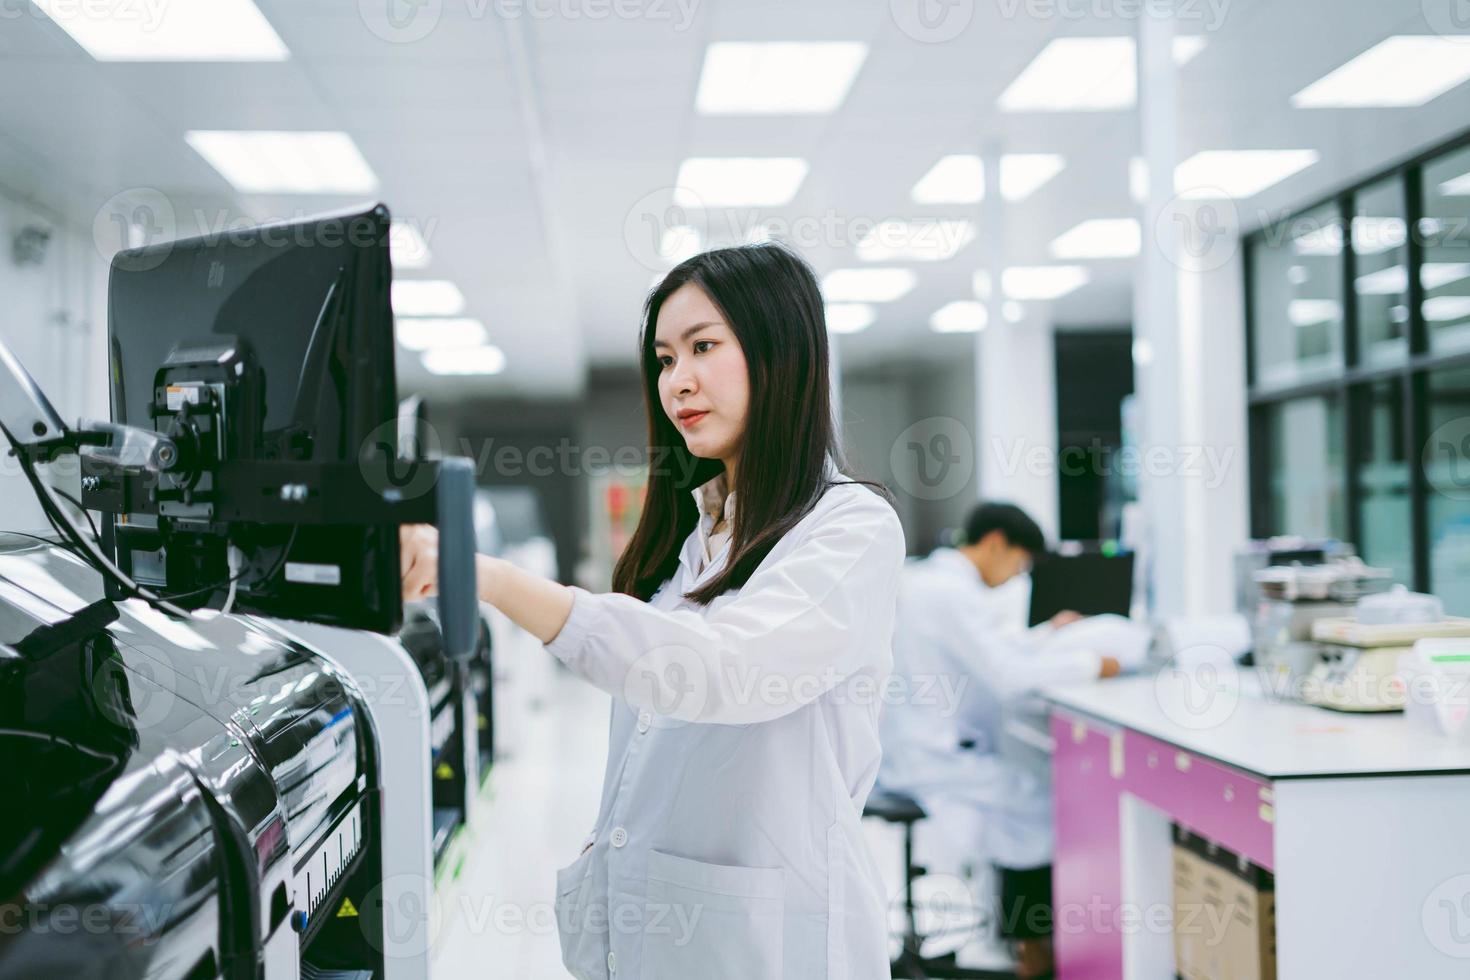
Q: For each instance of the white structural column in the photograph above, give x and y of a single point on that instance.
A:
(1190, 377)
(1160, 375)
(1015, 383)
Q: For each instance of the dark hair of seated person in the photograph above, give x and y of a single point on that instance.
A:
(1013, 522)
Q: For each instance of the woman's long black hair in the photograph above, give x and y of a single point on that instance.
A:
(771, 301)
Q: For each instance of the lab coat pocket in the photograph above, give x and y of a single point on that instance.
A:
(712, 921)
(581, 921)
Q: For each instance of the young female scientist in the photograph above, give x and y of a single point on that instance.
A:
(745, 646)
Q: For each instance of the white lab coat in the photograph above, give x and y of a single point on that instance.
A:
(954, 638)
(744, 744)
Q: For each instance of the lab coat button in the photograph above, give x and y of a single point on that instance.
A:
(612, 963)
(644, 720)
(619, 837)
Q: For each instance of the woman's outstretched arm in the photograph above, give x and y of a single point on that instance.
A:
(537, 605)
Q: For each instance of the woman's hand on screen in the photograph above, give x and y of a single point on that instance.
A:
(418, 555)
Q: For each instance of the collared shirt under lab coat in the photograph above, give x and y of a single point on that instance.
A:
(744, 743)
(715, 499)
(966, 669)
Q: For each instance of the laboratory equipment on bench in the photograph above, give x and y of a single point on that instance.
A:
(1436, 678)
(1282, 551)
(1293, 597)
(1358, 657)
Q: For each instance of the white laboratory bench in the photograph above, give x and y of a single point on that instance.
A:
(1364, 821)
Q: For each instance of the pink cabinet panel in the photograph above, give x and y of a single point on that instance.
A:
(1217, 802)
(1085, 871)
(1093, 766)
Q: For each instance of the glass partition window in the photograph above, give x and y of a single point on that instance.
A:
(1445, 231)
(1360, 399)
(1307, 471)
(1385, 515)
(1446, 460)
(1381, 273)
(1297, 282)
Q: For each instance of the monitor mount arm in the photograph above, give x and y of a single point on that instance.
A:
(36, 429)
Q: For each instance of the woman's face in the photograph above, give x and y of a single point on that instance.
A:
(703, 383)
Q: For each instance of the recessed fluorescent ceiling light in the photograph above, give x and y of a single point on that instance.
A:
(850, 317)
(1324, 240)
(956, 179)
(1456, 186)
(1042, 281)
(925, 240)
(470, 360)
(1372, 235)
(1436, 274)
(721, 182)
(178, 30)
(1076, 73)
(1099, 238)
(1138, 179)
(867, 285)
(1021, 174)
(1438, 309)
(960, 177)
(430, 333)
(426, 297)
(1400, 71)
(1237, 173)
(961, 316)
(1306, 312)
(777, 78)
(270, 162)
(407, 247)
(1394, 280)
(1185, 47)
(1384, 282)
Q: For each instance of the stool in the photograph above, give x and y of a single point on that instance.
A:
(900, 808)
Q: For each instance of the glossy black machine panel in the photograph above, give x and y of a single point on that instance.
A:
(174, 787)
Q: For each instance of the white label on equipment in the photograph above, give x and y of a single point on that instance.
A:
(297, 571)
(176, 395)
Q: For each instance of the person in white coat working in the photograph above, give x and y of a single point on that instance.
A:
(958, 635)
(745, 646)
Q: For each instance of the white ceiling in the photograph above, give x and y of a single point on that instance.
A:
(528, 149)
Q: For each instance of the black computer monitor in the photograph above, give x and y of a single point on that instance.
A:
(1091, 584)
(299, 317)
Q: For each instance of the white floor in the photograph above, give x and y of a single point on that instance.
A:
(496, 920)
(543, 792)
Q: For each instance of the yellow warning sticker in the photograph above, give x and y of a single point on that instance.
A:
(444, 771)
(347, 910)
